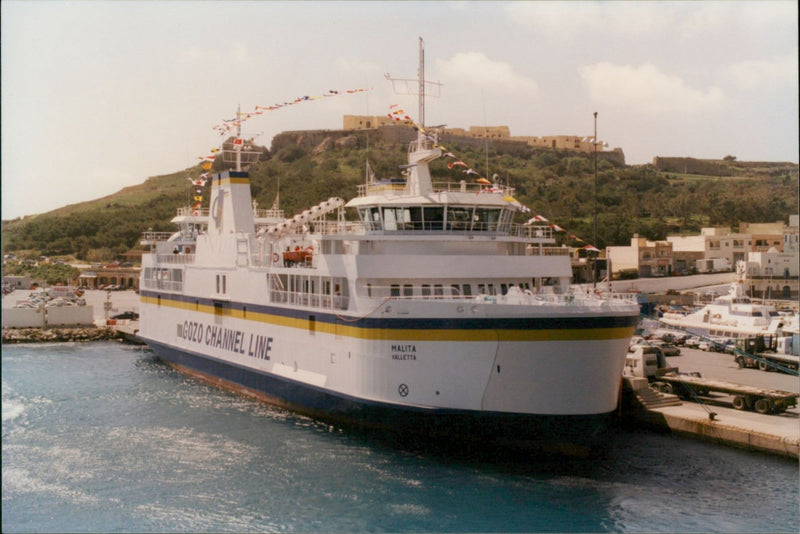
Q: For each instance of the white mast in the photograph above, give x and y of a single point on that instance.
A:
(404, 86)
(236, 145)
(421, 78)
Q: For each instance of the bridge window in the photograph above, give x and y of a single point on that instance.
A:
(486, 219)
(459, 219)
(389, 219)
(433, 218)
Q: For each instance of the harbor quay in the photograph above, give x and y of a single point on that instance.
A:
(714, 419)
(103, 305)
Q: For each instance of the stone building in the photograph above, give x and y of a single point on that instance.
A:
(121, 277)
(764, 235)
(649, 258)
(574, 143)
(714, 243)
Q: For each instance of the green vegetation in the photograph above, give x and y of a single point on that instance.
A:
(558, 185)
(49, 272)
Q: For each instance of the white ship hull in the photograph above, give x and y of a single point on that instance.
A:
(516, 372)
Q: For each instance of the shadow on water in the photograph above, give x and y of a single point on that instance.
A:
(507, 456)
(512, 458)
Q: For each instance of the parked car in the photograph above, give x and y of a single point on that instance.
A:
(670, 350)
(680, 339)
(668, 338)
(126, 315)
(691, 342)
(710, 346)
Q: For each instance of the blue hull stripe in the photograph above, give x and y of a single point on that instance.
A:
(501, 323)
(580, 431)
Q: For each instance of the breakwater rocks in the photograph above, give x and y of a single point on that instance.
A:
(45, 335)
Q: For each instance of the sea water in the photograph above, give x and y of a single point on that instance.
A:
(102, 437)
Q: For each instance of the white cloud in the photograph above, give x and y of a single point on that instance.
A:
(355, 66)
(567, 20)
(752, 74)
(210, 57)
(646, 89)
(476, 69)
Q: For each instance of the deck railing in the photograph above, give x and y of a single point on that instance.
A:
(520, 297)
(175, 259)
(463, 186)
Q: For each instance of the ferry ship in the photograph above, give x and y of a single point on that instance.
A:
(433, 314)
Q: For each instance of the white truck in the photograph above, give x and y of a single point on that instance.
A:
(649, 362)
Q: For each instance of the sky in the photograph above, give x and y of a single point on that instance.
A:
(101, 95)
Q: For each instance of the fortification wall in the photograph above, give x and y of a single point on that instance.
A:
(709, 167)
(396, 134)
(313, 138)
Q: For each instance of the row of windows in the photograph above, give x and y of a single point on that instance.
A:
(433, 218)
(442, 290)
(309, 290)
(163, 278)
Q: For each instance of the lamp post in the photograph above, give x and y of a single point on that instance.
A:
(594, 225)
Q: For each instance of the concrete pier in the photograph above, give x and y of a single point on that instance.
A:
(777, 434)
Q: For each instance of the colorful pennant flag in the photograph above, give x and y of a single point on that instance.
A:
(453, 164)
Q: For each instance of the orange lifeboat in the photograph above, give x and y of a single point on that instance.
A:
(298, 254)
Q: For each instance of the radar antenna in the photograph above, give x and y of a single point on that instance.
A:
(234, 151)
(405, 86)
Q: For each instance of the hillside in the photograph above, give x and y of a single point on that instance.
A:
(313, 166)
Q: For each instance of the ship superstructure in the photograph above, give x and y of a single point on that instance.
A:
(433, 313)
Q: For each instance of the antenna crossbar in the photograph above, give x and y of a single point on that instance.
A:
(423, 87)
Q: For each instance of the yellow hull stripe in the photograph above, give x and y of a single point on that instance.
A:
(407, 334)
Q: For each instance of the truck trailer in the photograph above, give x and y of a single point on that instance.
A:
(649, 362)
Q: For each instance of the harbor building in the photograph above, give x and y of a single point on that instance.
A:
(771, 252)
(648, 258)
(765, 235)
(712, 244)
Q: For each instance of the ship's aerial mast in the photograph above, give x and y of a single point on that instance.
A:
(238, 155)
(421, 77)
(404, 86)
(237, 145)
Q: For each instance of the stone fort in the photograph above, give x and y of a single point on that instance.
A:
(565, 142)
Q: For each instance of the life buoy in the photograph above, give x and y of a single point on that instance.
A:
(195, 213)
(275, 257)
